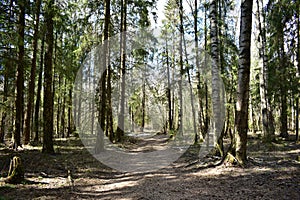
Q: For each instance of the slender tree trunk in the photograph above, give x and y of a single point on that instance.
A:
(298, 60)
(32, 74)
(91, 83)
(266, 113)
(109, 103)
(5, 94)
(63, 112)
(169, 95)
(55, 90)
(283, 115)
(196, 140)
(70, 127)
(110, 130)
(6, 68)
(38, 93)
(191, 93)
(20, 76)
(101, 112)
(283, 92)
(143, 102)
(93, 114)
(120, 129)
(181, 71)
(75, 105)
(242, 104)
(103, 102)
(48, 76)
(216, 80)
(297, 119)
(207, 118)
(59, 104)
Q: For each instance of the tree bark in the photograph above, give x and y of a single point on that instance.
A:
(6, 69)
(20, 76)
(298, 60)
(109, 105)
(242, 104)
(191, 93)
(169, 95)
(48, 81)
(38, 93)
(63, 112)
(266, 112)
(58, 104)
(143, 101)
(206, 118)
(181, 70)
(30, 96)
(5, 94)
(103, 91)
(195, 13)
(120, 129)
(70, 126)
(282, 87)
(216, 80)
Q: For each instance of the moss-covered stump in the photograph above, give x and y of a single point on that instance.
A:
(230, 160)
(16, 171)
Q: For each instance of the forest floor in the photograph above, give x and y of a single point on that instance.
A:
(273, 172)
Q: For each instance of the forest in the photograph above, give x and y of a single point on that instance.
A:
(149, 99)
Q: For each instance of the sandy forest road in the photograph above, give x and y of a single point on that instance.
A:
(271, 175)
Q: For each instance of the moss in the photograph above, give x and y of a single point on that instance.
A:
(230, 159)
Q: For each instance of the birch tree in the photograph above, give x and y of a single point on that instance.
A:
(242, 104)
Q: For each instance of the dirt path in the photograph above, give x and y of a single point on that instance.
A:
(273, 173)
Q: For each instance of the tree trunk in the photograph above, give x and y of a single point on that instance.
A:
(120, 129)
(59, 104)
(181, 30)
(20, 77)
(297, 119)
(191, 93)
(6, 68)
(143, 101)
(109, 130)
(266, 113)
(206, 118)
(195, 13)
(169, 95)
(48, 76)
(283, 89)
(298, 60)
(103, 102)
(32, 74)
(283, 115)
(241, 121)
(63, 112)
(70, 127)
(38, 93)
(216, 80)
(5, 94)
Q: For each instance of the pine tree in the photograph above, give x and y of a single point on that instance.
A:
(20, 76)
(32, 74)
(48, 81)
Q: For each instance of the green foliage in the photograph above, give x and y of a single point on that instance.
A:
(280, 50)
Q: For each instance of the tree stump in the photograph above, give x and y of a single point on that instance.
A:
(16, 171)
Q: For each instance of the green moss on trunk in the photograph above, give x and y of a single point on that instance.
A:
(16, 171)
